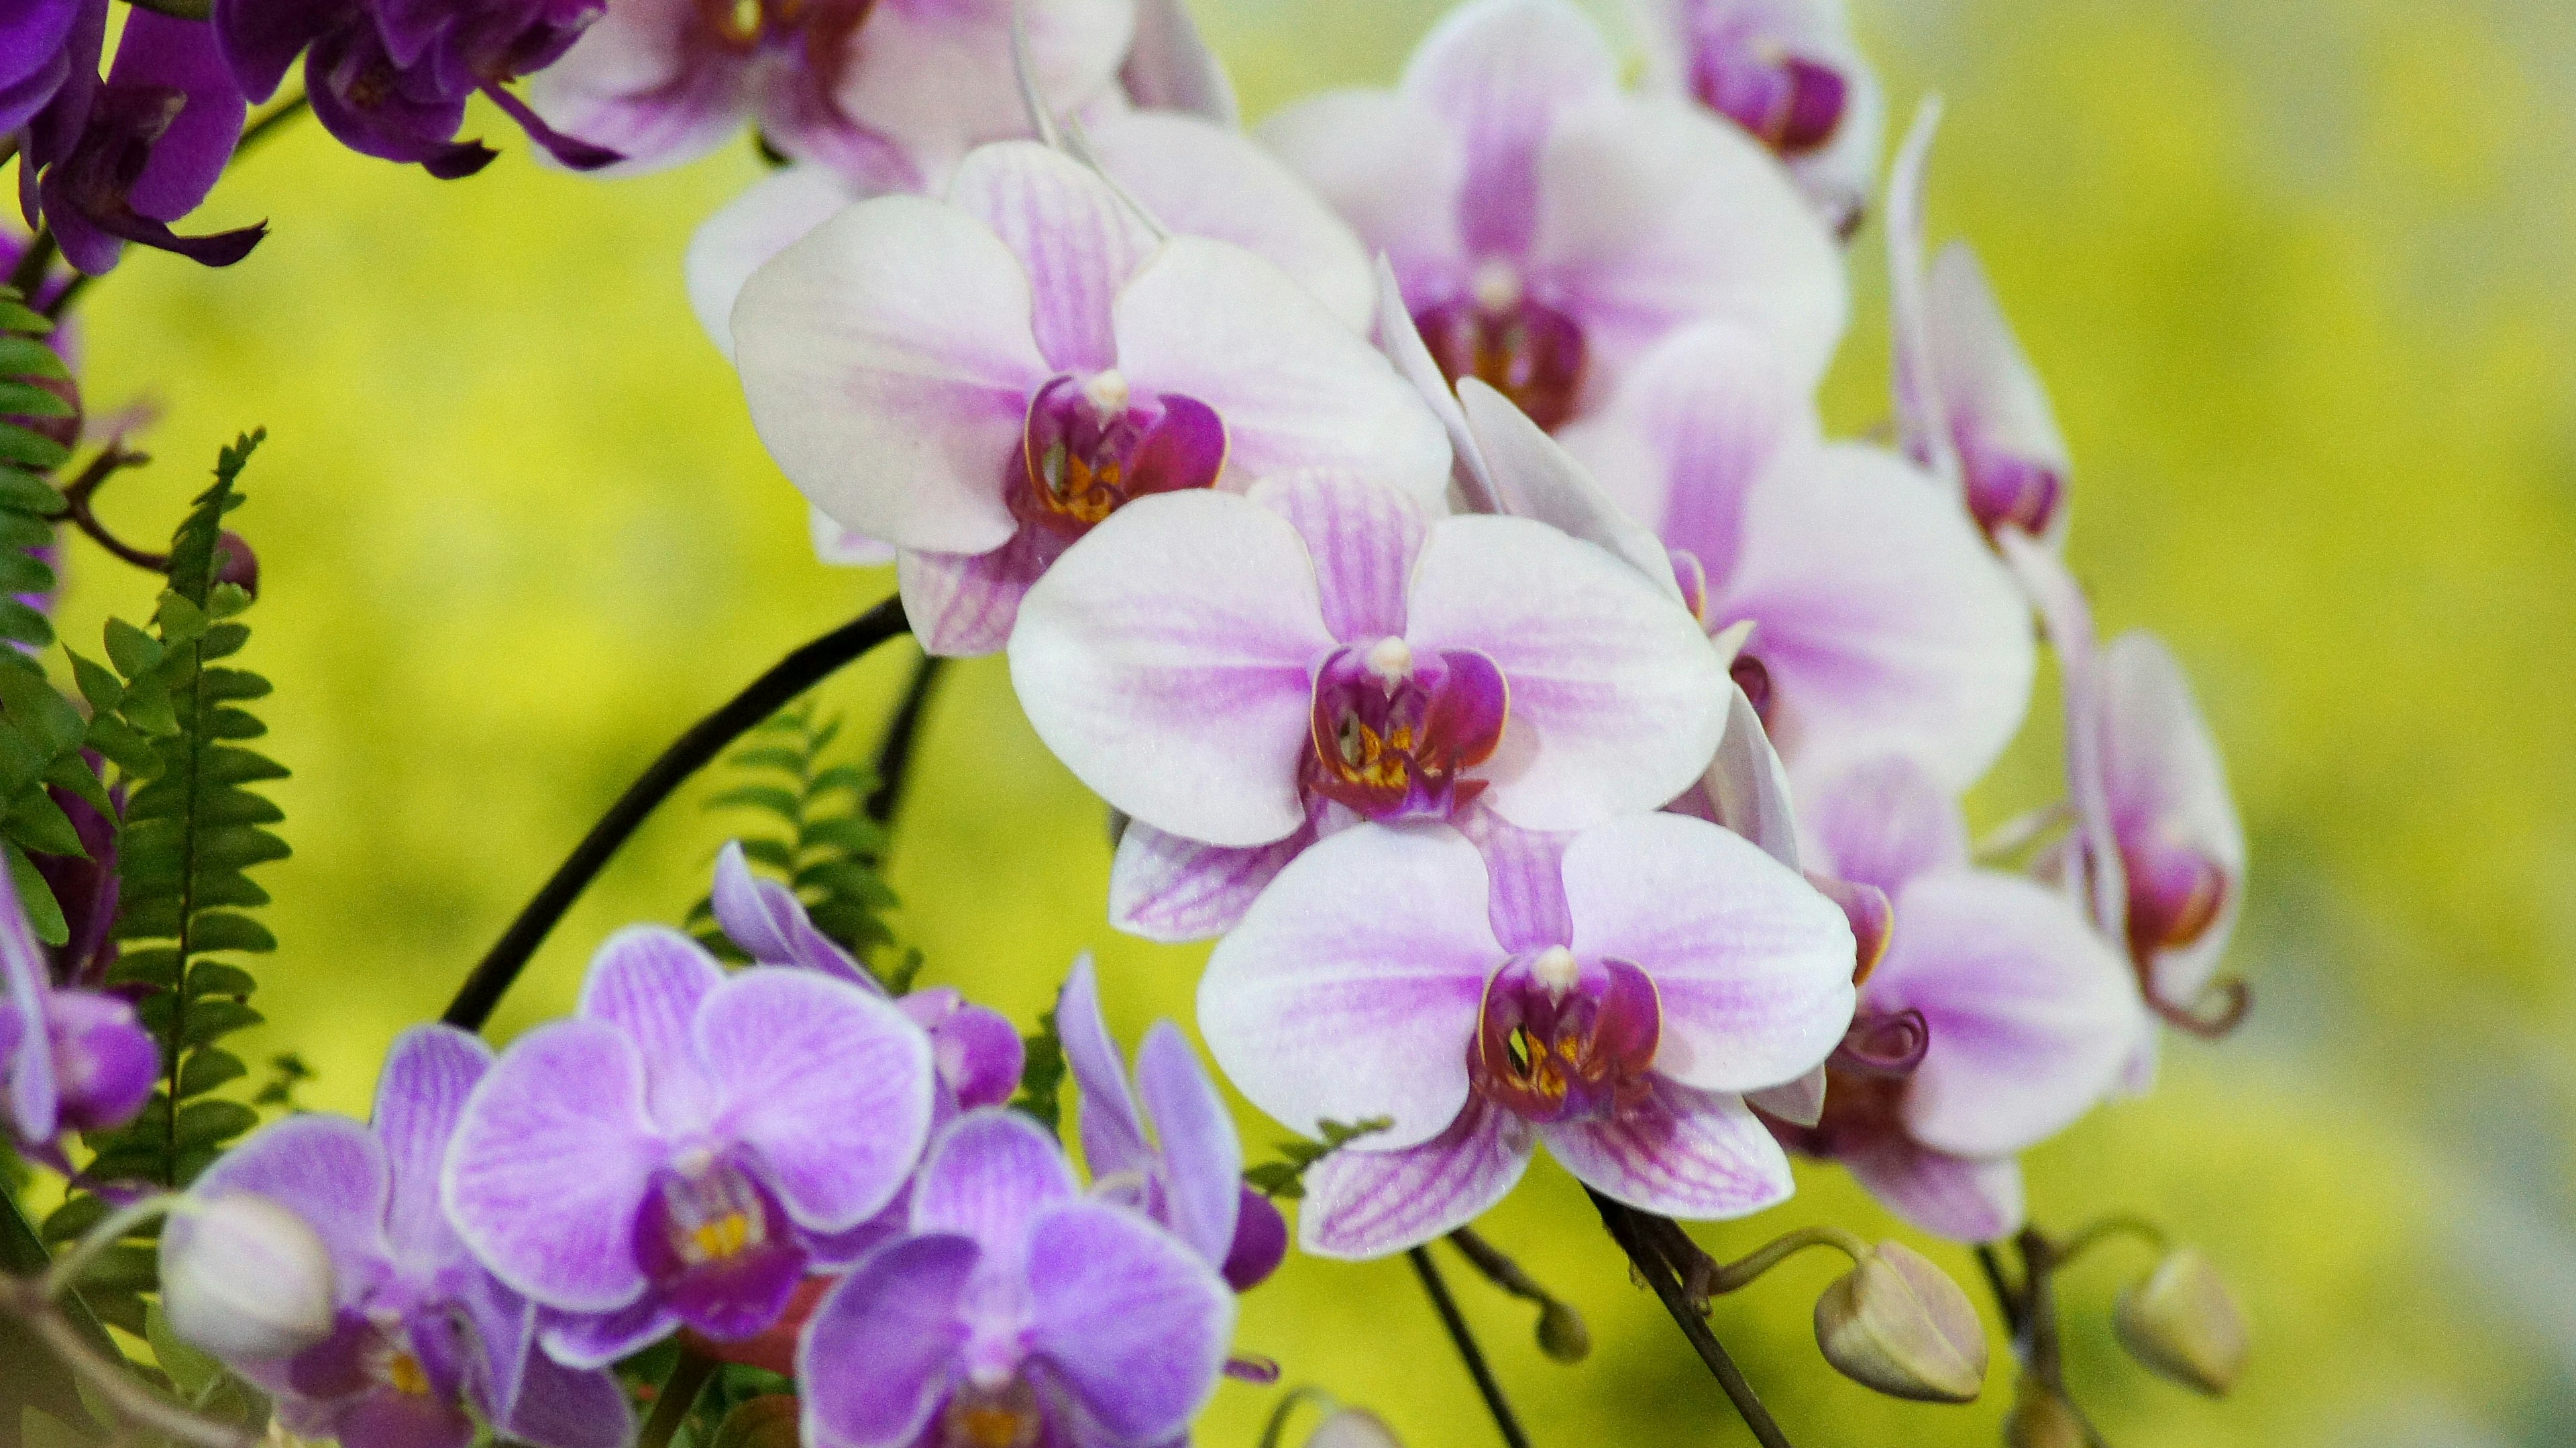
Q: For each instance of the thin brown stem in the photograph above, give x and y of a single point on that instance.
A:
(2036, 1338)
(29, 274)
(1487, 1385)
(1562, 1334)
(1630, 1229)
(77, 509)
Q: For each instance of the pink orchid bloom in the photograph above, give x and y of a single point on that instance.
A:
(1969, 405)
(888, 92)
(1611, 994)
(2182, 847)
(1788, 72)
(1547, 229)
(1243, 675)
(1880, 620)
(2021, 1017)
(983, 380)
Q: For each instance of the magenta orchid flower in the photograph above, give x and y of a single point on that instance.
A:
(1545, 228)
(1243, 675)
(2020, 1018)
(975, 1051)
(888, 93)
(1188, 1175)
(981, 381)
(1019, 1312)
(70, 1060)
(1969, 405)
(1612, 995)
(1789, 74)
(1880, 620)
(427, 1341)
(682, 1149)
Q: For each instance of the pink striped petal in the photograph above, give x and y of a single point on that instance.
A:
(777, 211)
(635, 83)
(1362, 1204)
(2164, 781)
(938, 77)
(1679, 1153)
(428, 1073)
(1532, 476)
(1526, 870)
(1997, 409)
(1171, 68)
(1964, 1199)
(1752, 964)
(648, 981)
(963, 605)
(1500, 73)
(1746, 788)
(1363, 538)
(987, 1176)
(1113, 1135)
(1885, 822)
(1076, 237)
(1134, 1325)
(1167, 659)
(1617, 700)
(1166, 887)
(1390, 166)
(1350, 990)
(1202, 1156)
(1923, 428)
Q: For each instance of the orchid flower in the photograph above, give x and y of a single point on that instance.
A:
(1995, 1020)
(105, 162)
(1611, 994)
(1189, 1174)
(975, 1051)
(1243, 675)
(888, 93)
(424, 1334)
(1880, 620)
(686, 1145)
(70, 1060)
(1969, 405)
(1786, 71)
(1545, 228)
(1169, 67)
(390, 78)
(980, 381)
(1018, 1312)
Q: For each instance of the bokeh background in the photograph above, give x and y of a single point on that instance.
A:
(2300, 278)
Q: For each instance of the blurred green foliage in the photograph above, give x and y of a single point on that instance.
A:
(2299, 277)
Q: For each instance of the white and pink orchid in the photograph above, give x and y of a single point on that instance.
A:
(1612, 994)
(1786, 71)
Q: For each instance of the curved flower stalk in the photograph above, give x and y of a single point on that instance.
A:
(390, 78)
(1547, 229)
(427, 1341)
(1245, 675)
(1019, 1311)
(1189, 1174)
(1996, 1019)
(70, 1059)
(1613, 1001)
(981, 381)
(108, 161)
(1786, 71)
(1880, 620)
(886, 93)
(682, 1149)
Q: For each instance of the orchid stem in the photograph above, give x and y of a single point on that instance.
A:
(2120, 1224)
(1627, 1227)
(2035, 1338)
(32, 1303)
(1561, 1331)
(1477, 1368)
(1739, 1274)
(268, 123)
(679, 1394)
(903, 732)
(691, 752)
(121, 1224)
(1277, 1427)
(29, 274)
(77, 509)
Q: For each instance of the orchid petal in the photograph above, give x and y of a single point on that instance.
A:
(1923, 426)
(1076, 236)
(2162, 774)
(34, 1099)
(1678, 1153)
(1136, 1326)
(1526, 872)
(648, 981)
(1401, 341)
(1171, 888)
(939, 78)
(1295, 387)
(987, 1176)
(979, 1053)
(834, 544)
(1318, 1010)
(167, 53)
(590, 1342)
(2066, 617)
(779, 209)
(884, 1347)
(635, 84)
(428, 1073)
(1800, 1102)
(1389, 165)
(1501, 73)
(1167, 659)
(561, 1407)
(1363, 539)
(1964, 1199)
(1752, 966)
(1996, 404)
(1885, 822)
(1202, 1156)
(765, 918)
(328, 1170)
(963, 605)
(2031, 1015)
(1113, 1135)
(888, 360)
(1747, 788)
(1171, 68)
(1536, 478)
(829, 1083)
(1362, 1204)
(1617, 702)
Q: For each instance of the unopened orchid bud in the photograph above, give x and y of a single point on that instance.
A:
(1562, 1333)
(768, 1421)
(2043, 1419)
(1353, 1428)
(1898, 1324)
(236, 564)
(246, 1279)
(2183, 1324)
(105, 1063)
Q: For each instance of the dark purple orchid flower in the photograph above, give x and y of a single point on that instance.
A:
(70, 1060)
(391, 80)
(687, 1147)
(1189, 1176)
(105, 162)
(1020, 1312)
(425, 1333)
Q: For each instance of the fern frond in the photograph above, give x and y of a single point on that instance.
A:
(813, 834)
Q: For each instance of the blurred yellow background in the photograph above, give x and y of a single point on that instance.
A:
(2301, 281)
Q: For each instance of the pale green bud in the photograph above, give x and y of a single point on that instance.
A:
(1898, 1324)
(2183, 1324)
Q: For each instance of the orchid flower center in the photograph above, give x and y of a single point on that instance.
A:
(1395, 731)
(1754, 678)
(1007, 1415)
(744, 26)
(1092, 446)
(2175, 894)
(1565, 1039)
(1789, 103)
(2007, 491)
(717, 1244)
(1498, 333)
(404, 1374)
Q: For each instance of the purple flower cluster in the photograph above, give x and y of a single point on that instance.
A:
(72, 1057)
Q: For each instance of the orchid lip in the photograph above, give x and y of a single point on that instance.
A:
(1523, 348)
(1091, 446)
(1561, 1039)
(1793, 104)
(717, 1245)
(1394, 731)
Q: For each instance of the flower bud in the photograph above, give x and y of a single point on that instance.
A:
(236, 564)
(246, 1279)
(1898, 1324)
(2042, 1419)
(2183, 1324)
(1353, 1428)
(768, 1421)
(105, 1063)
(1562, 1334)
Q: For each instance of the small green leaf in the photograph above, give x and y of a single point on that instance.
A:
(213, 1122)
(43, 915)
(208, 1069)
(134, 652)
(780, 802)
(191, 1372)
